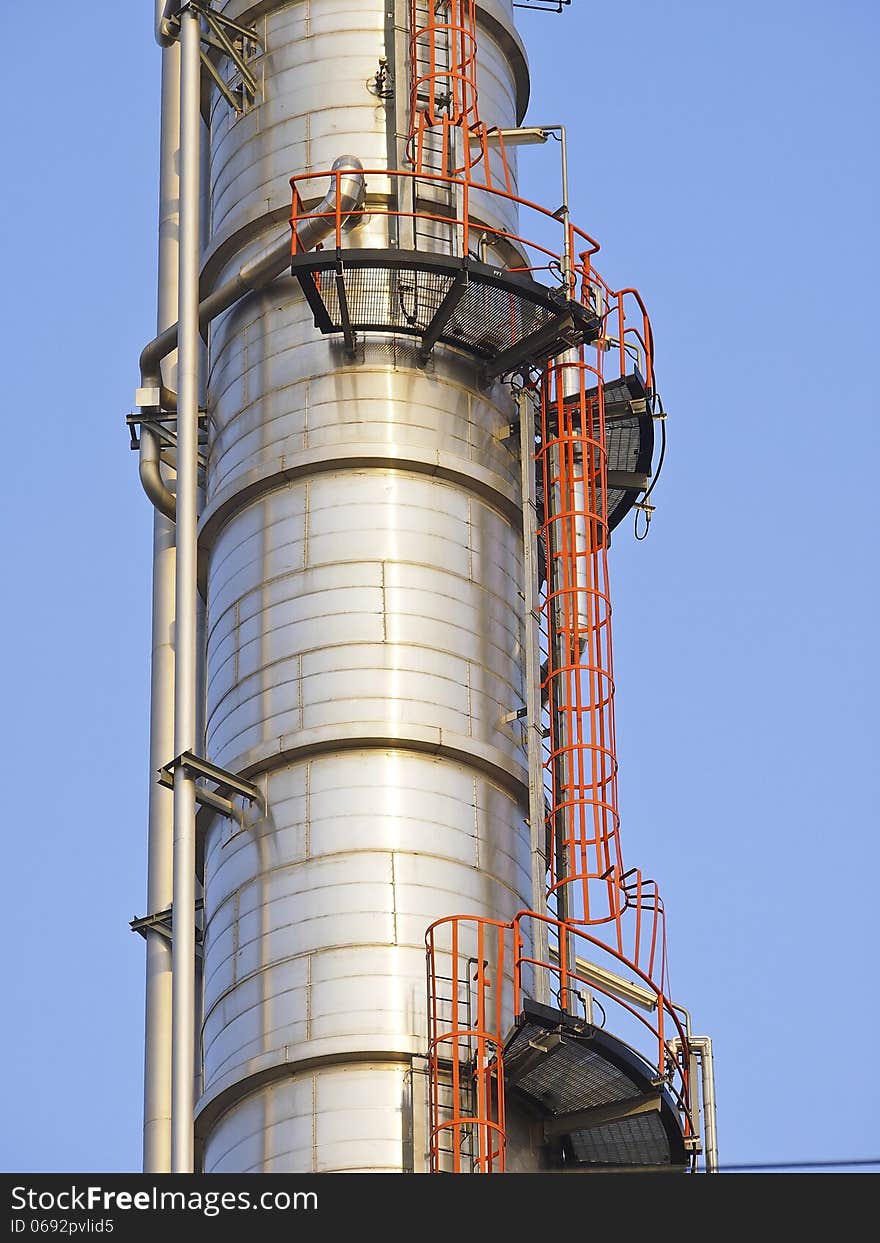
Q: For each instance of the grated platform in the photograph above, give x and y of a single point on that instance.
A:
(505, 319)
(593, 1097)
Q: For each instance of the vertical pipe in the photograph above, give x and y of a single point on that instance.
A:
(565, 217)
(704, 1043)
(693, 1068)
(186, 670)
(700, 1054)
(157, 1001)
(202, 609)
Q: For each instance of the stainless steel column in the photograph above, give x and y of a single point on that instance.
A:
(362, 534)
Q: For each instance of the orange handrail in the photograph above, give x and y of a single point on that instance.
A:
(466, 1059)
(461, 222)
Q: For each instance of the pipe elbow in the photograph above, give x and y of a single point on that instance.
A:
(352, 187)
(150, 472)
(164, 29)
(148, 364)
(152, 354)
(320, 223)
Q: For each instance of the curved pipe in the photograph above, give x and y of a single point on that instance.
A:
(262, 269)
(251, 276)
(151, 474)
(164, 29)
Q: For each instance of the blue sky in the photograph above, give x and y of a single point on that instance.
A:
(725, 157)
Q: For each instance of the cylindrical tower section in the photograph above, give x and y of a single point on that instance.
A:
(362, 545)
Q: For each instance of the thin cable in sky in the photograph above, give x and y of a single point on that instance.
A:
(801, 1165)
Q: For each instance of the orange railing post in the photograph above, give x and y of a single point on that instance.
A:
(295, 213)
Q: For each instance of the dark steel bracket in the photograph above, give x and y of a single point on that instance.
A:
(443, 314)
(227, 786)
(344, 313)
(162, 922)
(600, 1115)
(530, 349)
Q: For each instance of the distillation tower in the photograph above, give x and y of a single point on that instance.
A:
(390, 418)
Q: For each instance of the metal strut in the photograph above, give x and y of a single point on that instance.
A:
(218, 36)
(226, 784)
(163, 923)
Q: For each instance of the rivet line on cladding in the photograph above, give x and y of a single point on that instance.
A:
(308, 795)
(308, 997)
(306, 523)
(384, 606)
(393, 900)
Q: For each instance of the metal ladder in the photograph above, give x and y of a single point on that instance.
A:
(437, 198)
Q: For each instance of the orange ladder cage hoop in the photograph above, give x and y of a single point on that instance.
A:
(443, 92)
(578, 684)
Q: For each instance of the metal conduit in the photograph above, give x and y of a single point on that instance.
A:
(183, 945)
(157, 986)
(150, 473)
(701, 1060)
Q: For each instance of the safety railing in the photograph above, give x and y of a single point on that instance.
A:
(539, 251)
(466, 1019)
(404, 216)
(480, 972)
(633, 337)
(661, 1027)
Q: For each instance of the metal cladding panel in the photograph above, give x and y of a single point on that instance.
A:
(424, 626)
(375, 1000)
(384, 800)
(278, 389)
(350, 1118)
(317, 929)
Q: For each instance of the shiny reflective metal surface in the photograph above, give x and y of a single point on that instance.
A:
(362, 536)
(157, 999)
